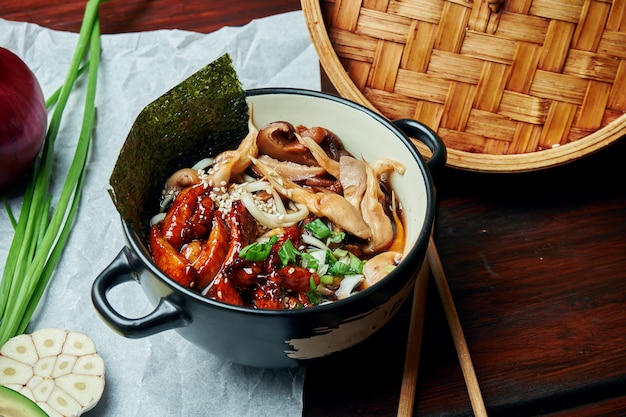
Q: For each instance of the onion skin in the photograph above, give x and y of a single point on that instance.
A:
(23, 118)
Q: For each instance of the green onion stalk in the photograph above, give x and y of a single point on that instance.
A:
(41, 231)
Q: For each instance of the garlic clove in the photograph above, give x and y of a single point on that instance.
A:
(14, 372)
(86, 389)
(63, 365)
(61, 402)
(43, 390)
(45, 366)
(49, 342)
(33, 382)
(21, 348)
(89, 365)
(78, 344)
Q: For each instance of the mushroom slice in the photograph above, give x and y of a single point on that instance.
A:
(383, 166)
(59, 370)
(182, 178)
(379, 266)
(353, 179)
(323, 204)
(292, 170)
(278, 140)
(330, 165)
(233, 162)
(374, 215)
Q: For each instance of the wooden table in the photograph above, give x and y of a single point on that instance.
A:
(536, 263)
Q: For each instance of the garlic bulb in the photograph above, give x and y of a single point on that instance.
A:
(59, 370)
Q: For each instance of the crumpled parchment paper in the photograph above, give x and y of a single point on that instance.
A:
(164, 374)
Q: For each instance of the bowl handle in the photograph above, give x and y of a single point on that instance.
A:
(422, 133)
(166, 315)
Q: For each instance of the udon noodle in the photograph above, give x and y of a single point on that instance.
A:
(289, 219)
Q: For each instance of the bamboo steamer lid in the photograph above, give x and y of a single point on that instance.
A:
(509, 86)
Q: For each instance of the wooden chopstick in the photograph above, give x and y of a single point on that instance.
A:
(454, 323)
(414, 342)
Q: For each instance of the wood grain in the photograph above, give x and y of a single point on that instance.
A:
(141, 15)
(414, 343)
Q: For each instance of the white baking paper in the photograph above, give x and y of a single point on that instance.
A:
(164, 374)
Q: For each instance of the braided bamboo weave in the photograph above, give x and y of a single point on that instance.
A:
(509, 86)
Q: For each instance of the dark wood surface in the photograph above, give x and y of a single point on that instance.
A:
(536, 263)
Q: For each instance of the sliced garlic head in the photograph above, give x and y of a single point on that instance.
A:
(61, 371)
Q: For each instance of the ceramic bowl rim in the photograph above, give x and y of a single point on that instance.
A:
(140, 250)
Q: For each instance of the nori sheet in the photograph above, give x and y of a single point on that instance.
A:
(200, 117)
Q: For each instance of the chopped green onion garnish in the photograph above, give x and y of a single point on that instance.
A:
(327, 279)
(339, 269)
(335, 237)
(318, 228)
(309, 261)
(257, 251)
(331, 258)
(356, 265)
(314, 297)
(288, 253)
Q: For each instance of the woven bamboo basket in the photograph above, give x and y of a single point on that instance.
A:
(509, 85)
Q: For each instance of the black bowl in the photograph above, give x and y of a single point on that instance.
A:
(288, 338)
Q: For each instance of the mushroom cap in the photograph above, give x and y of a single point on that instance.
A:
(278, 140)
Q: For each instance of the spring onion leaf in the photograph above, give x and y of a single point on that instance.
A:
(314, 297)
(356, 264)
(339, 269)
(257, 251)
(288, 253)
(335, 237)
(41, 231)
(327, 279)
(348, 264)
(309, 261)
(318, 228)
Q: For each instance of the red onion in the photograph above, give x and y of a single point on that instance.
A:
(23, 117)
